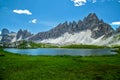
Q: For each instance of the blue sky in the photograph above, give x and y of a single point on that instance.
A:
(42, 15)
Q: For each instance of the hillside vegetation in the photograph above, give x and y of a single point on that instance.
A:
(84, 46)
(25, 45)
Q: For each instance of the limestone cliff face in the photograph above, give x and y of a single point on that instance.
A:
(91, 22)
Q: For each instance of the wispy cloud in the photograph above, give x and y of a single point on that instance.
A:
(79, 2)
(34, 21)
(83, 2)
(115, 23)
(119, 1)
(94, 1)
(27, 12)
(0, 32)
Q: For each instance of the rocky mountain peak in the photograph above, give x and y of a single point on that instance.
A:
(6, 35)
(97, 27)
(4, 32)
(23, 34)
(91, 17)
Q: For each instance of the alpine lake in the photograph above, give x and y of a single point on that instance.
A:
(61, 51)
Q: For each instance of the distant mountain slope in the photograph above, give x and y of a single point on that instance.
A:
(87, 31)
(8, 37)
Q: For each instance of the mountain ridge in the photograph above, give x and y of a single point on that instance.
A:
(90, 30)
(91, 22)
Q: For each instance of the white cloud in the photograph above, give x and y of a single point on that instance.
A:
(94, 1)
(115, 23)
(27, 12)
(0, 32)
(34, 21)
(79, 2)
(83, 2)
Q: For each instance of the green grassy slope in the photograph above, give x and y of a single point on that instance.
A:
(84, 46)
(23, 67)
(24, 45)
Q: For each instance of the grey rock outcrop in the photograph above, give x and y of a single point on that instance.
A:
(7, 38)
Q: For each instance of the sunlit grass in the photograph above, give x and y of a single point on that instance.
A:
(23, 67)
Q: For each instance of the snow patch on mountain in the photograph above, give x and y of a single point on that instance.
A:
(20, 38)
(83, 37)
(0, 38)
(14, 39)
(115, 39)
(109, 41)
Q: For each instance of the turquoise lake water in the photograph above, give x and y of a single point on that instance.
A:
(61, 51)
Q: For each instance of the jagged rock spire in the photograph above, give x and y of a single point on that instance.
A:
(23, 34)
